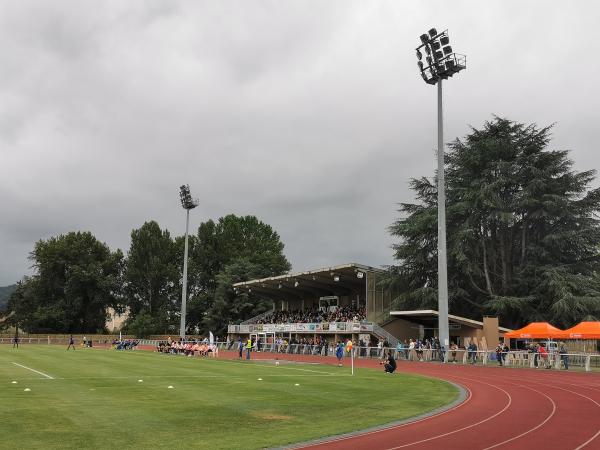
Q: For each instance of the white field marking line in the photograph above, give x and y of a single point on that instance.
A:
(584, 386)
(468, 426)
(33, 370)
(588, 441)
(532, 429)
(122, 377)
(278, 367)
(584, 396)
(393, 427)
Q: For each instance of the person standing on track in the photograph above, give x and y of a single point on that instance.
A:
(71, 343)
(564, 357)
(240, 347)
(248, 348)
(499, 350)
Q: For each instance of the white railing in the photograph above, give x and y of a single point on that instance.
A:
(318, 328)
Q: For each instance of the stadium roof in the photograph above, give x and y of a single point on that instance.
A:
(344, 279)
(426, 316)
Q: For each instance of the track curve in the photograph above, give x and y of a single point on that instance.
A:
(507, 408)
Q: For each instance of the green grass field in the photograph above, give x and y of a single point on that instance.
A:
(95, 400)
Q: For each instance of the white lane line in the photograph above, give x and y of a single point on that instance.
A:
(509, 402)
(588, 441)
(33, 370)
(590, 399)
(531, 429)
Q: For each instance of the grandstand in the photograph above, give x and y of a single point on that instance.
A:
(344, 302)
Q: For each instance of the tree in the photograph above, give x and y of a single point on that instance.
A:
(151, 276)
(522, 231)
(230, 306)
(231, 250)
(76, 279)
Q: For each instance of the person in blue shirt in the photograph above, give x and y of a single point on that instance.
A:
(339, 353)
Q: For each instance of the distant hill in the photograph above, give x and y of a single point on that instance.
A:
(5, 292)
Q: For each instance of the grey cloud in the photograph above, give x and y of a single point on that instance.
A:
(309, 114)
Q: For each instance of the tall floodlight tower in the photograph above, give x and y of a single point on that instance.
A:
(440, 64)
(188, 203)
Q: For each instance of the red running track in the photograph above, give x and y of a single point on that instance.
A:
(505, 408)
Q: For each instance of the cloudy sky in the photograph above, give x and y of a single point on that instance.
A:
(309, 114)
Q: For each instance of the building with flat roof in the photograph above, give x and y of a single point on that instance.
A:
(345, 301)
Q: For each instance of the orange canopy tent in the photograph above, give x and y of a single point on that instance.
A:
(585, 330)
(536, 330)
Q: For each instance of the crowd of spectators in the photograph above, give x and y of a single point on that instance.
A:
(316, 315)
(127, 344)
(193, 347)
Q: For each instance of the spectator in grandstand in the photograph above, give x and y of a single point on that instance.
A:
(342, 314)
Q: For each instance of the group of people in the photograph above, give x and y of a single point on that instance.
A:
(126, 344)
(418, 350)
(316, 315)
(192, 347)
(541, 357)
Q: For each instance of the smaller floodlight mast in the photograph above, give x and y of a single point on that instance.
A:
(442, 65)
(188, 203)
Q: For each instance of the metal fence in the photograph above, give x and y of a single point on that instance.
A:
(551, 361)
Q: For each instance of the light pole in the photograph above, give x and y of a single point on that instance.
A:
(440, 64)
(188, 203)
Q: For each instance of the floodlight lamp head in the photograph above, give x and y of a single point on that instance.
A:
(444, 40)
(432, 33)
(424, 38)
(186, 198)
(419, 54)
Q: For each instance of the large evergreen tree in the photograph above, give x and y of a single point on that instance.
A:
(152, 279)
(523, 232)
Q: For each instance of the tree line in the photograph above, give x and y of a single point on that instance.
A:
(77, 278)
